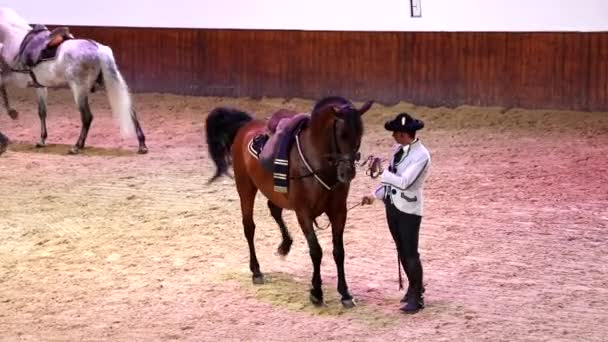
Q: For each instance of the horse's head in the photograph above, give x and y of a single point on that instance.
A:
(344, 129)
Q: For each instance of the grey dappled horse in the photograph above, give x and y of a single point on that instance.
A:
(28, 59)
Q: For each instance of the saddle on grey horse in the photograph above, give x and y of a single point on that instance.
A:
(41, 44)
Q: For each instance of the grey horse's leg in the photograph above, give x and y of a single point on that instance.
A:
(86, 117)
(42, 94)
(10, 111)
(141, 138)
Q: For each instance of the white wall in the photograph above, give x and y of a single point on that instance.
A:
(368, 15)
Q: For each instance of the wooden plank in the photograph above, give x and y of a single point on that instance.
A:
(532, 70)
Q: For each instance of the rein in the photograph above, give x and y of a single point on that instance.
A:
(373, 170)
(339, 158)
(375, 166)
(310, 170)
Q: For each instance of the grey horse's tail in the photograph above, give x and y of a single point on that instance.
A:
(118, 92)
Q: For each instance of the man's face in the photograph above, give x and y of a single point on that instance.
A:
(402, 138)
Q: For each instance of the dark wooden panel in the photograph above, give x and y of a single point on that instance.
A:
(532, 70)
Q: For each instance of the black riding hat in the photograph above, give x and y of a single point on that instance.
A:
(404, 123)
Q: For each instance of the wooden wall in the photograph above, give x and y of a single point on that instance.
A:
(531, 70)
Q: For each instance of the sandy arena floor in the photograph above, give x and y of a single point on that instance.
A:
(111, 245)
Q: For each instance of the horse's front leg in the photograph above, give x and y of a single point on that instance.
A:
(42, 94)
(337, 217)
(11, 112)
(316, 254)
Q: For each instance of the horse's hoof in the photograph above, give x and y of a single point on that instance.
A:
(316, 301)
(74, 150)
(40, 144)
(13, 114)
(348, 303)
(284, 248)
(142, 150)
(258, 280)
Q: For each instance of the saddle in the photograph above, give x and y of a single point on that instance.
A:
(272, 147)
(40, 44)
(281, 126)
(275, 118)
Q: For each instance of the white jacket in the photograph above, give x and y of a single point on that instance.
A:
(404, 187)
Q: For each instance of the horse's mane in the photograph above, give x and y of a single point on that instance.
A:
(352, 118)
(12, 30)
(10, 18)
(322, 103)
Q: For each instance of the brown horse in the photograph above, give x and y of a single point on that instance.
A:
(321, 167)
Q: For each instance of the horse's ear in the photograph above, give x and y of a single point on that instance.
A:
(366, 106)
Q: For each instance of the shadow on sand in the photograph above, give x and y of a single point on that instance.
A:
(64, 149)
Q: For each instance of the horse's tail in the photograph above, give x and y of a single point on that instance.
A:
(221, 125)
(117, 91)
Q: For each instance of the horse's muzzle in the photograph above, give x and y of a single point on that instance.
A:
(346, 171)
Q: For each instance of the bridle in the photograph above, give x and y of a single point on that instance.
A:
(334, 159)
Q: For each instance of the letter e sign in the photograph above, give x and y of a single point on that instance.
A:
(416, 9)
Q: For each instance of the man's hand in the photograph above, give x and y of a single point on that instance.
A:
(367, 200)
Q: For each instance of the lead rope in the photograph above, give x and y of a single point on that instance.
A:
(374, 170)
(399, 271)
(314, 220)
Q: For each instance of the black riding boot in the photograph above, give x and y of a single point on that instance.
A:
(3, 143)
(409, 292)
(415, 293)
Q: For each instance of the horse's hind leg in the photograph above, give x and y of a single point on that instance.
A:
(247, 192)
(276, 213)
(42, 94)
(141, 138)
(82, 100)
(11, 112)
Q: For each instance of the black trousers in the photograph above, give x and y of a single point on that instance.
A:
(405, 229)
